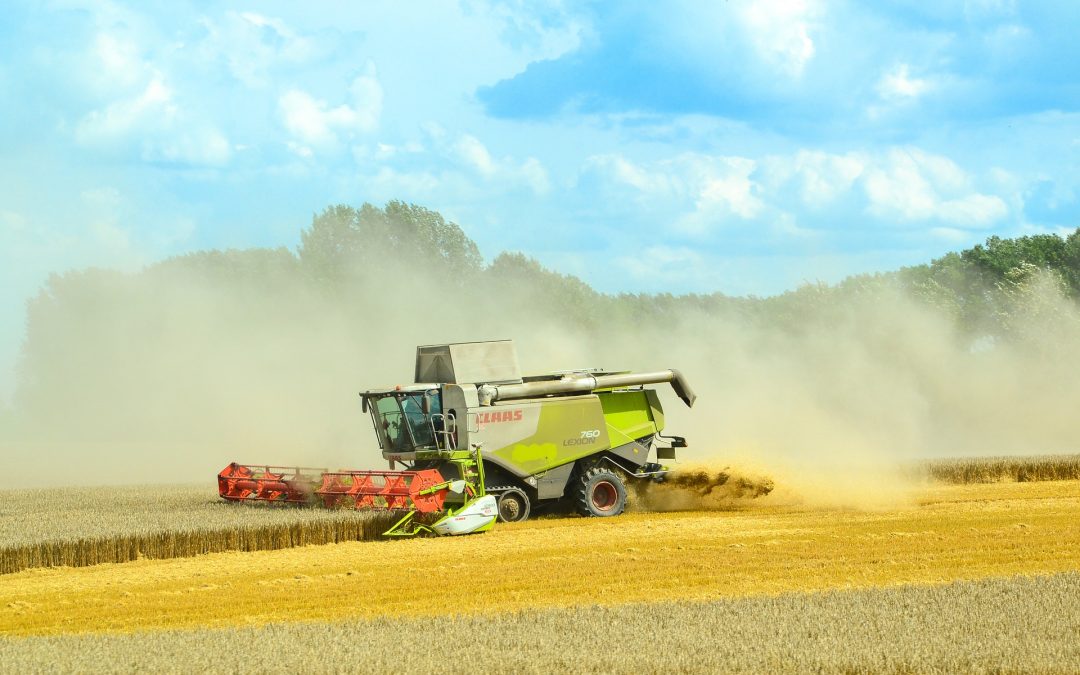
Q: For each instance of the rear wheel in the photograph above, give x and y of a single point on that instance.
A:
(513, 505)
(600, 492)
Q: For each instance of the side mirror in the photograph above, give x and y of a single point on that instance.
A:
(363, 402)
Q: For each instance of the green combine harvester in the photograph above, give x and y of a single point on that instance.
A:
(478, 441)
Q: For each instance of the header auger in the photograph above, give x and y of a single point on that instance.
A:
(412, 493)
(578, 436)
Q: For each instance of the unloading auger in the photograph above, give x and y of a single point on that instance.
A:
(578, 437)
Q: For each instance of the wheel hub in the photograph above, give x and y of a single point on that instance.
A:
(510, 509)
(513, 505)
(604, 496)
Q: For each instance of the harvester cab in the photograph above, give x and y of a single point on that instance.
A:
(477, 440)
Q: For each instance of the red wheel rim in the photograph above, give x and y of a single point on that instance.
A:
(604, 496)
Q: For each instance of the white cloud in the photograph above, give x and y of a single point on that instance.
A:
(913, 185)
(118, 62)
(709, 189)
(943, 172)
(446, 165)
(314, 122)
(780, 32)
(974, 210)
(141, 111)
(822, 177)
(300, 150)
(900, 191)
(898, 84)
(308, 118)
(154, 122)
(198, 147)
(151, 108)
(384, 151)
(362, 153)
(731, 189)
(535, 176)
(389, 183)
(782, 193)
(756, 51)
(622, 170)
(252, 45)
(469, 151)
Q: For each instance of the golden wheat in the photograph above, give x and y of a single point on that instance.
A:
(87, 526)
(1018, 624)
(1004, 469)
(964, 532)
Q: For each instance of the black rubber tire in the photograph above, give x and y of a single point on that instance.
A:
(599, 493)
(514, 506)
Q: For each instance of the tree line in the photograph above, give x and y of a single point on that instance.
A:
(127, 348)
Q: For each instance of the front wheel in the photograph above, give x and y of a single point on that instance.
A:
(513, 505)
(600, 493)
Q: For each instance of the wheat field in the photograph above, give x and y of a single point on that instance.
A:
(980, 577)
(1020, 624)
(75, 527)
(957, 532)
(1003, 469)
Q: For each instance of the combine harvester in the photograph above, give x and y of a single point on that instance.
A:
(479, 442)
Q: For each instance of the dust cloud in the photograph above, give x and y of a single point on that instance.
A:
(835, 410)
(167, 375)
(703, 487)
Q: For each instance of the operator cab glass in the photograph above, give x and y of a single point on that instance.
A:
(403, 424)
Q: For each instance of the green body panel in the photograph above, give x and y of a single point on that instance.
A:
(629, 416)
(569, 429)
(566, 429)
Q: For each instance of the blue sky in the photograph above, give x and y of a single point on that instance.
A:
(737, 146)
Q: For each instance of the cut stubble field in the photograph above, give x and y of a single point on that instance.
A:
(954, 533)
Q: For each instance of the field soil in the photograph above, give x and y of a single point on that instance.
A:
(954, 533)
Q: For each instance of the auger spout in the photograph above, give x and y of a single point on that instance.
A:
(584, 384)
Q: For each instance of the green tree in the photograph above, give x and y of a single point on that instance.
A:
(528, 284)
(998, 256)
(345, 243)
(1032, 308)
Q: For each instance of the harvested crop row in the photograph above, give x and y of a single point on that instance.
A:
(1023, 624)
(83, 526)
(1004, 469)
